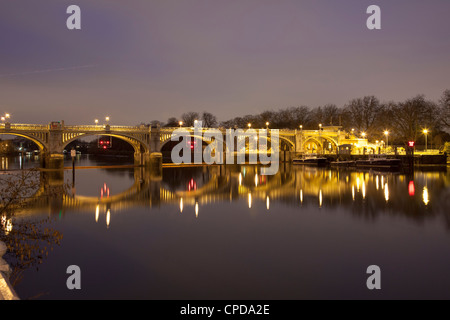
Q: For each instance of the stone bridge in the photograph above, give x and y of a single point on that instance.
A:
(148, 141)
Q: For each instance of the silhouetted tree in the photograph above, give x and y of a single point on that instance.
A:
(209, 120)
(444, 105)
(172, 122)
(189, 118)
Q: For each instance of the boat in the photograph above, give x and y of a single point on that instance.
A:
(345, 163)
(311, 160)
(379, 162)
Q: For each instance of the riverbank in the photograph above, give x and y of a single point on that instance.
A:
(6, 290)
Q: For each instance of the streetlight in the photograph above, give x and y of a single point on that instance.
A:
(107, 120)
(425, 131)
(249, 125)
(180, 123)
(96, 122)
(267, 124)
(386, 133)
(7, 116)
(363, 134)
(3, 119)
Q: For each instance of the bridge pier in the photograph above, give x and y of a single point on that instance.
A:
(53, 161)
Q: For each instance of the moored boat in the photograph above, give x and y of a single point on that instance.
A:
(311, 160)
(379, 163)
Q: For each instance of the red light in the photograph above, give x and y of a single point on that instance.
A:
(107, 142)
(411, 188)
(101, 142)
(104, 147)
(411, 144)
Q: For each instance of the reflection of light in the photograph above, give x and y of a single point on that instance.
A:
(425, 196)
(382, 182)
(97, 212)
(267, 202)
(196, 209)
(320, 198)
(7, 225)
(240, 179)
(301, 196)
(192, 185)
(357, 184)
(364, 190)
(353, 193)
(386, 192)
(256, 180)
(108, 218)
(249, 200)
(411, 189)
(376, 182)
(181, 205)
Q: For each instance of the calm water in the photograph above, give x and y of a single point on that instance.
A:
(229, 233)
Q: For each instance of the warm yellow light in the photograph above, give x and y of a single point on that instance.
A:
(249, 200)
(363, 134)
(267, 123)
(425, 196)
(7, 116)
(3, 119)
(301, 126)
(196, 209)
(267, 203)
(386, 132)
(425, 131)
(181, 205)
(180, 123)
(96, 121)
(97, 213)
(249, 125)
(107, 118)
(108, 218)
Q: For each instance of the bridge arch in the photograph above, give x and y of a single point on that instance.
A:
(316, 140)
(138, 145)
(41, 144)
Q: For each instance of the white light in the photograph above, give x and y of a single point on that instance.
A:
(97, 213)
(267, 203)
(108, 218)
(181, 205)
(425, 196)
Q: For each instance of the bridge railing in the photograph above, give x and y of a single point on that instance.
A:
(95, 128)
(34, 127)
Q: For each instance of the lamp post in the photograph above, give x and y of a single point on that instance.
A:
(320, 138)
(267, 124)
(180, 123)
(425, 131)
(96, 122)
(107, 120)
(249, 125)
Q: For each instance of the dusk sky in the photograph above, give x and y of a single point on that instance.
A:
(143, 60)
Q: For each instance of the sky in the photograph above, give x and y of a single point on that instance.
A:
(142, 60)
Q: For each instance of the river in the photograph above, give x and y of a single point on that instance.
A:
(226, 232)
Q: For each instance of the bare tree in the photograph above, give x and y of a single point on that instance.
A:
(189, 118)
(209, 120)
(28, 240)
(364, 114)
(444, 105)
(410, 117)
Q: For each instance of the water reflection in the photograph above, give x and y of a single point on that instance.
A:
(364, 194)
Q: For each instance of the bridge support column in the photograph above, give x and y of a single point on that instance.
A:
(53, 161)
(155, 164)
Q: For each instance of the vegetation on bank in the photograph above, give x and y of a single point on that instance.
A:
(28, 241)
(404, 120)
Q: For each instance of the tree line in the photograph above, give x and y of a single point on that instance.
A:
(404, 120)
